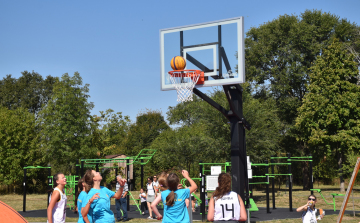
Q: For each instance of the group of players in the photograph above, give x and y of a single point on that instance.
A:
(93, 202)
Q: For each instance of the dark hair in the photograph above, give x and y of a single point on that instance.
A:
(80, 188)
(151, 178)
(311, 195)
(55, 178)
(172, 181)
(224, 187)
(88, 179)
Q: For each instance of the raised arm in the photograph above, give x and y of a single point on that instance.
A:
(193, 185)
(119, 192)
(303, 208)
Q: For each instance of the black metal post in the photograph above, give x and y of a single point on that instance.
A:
(82, 168)
(311, 176)
(127, 181)
(202, 193)
(181, 43)
(50, 180)
(24, 185)
(142, 174)
(97, 167)
(77, 176)
(219, 50)
(290, 182)
(267, 189)
(273, 183)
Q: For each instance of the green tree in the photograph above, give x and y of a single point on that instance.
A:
(329, 116)
(65, 124)
(29, 91)
(18, 144)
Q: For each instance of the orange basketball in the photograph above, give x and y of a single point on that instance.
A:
(178, 63)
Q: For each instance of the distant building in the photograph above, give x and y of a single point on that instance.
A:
(121, 164)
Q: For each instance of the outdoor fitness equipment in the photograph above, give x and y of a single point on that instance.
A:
(267, 176)
(142, 158)
(25, 182)
(332, 194)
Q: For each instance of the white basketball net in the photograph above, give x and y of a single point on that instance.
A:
(184, 82)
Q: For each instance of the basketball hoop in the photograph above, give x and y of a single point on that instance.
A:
(185, 81)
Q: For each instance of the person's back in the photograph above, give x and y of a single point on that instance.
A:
(227, 207)
(177, 212)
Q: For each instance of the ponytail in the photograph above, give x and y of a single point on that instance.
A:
(88, 179)
(80, 189)
(172, 182)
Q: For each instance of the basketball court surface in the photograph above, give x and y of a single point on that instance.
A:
(258, 216)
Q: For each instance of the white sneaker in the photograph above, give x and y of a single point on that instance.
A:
(150, 217)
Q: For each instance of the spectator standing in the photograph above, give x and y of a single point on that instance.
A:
(121, 203)
(150, 197)
(142, 197)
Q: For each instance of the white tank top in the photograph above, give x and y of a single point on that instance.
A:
(59, 210)
(150, 189)
(227, 208)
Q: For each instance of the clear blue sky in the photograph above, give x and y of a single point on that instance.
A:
(114, 44)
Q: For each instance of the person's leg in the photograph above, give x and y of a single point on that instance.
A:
(118, 212)
(124, 207)
(149, 208)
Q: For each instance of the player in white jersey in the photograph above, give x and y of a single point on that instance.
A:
(224, 204)
(56, 211)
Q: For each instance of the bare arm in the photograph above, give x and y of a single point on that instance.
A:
(55, 196)
(211, 209)
(193, 185)
(85, 210)
(154, 208)
(243, 214)
(119, 192)
(303, 208)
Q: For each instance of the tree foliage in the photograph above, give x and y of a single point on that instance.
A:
(29, 91)
(329, 117)
(65, 124)
(19, 144)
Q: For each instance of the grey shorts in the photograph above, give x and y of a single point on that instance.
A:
(150, 198)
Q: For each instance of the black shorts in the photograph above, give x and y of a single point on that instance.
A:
(192, 198)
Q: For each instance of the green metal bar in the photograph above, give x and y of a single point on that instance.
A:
(285, 157)
(302, 157)
(279, 163)
(37, 167)
(137, 205)
(260, 183)
(278, 174)
(292, 160)
(319, 191)
(259, 164)
(258, 176)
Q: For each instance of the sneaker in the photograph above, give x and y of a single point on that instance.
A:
(150, 217)
(143, 213)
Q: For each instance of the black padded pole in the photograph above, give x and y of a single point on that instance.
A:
(273, 183)
(127, 181)
(202, 193)
(50, 180)
(82, 168)
(267, 189)
(290, 183)
(311, 176)
(24, 185)
(142, 174)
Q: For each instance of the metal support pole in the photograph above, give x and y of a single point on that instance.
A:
(24, 197)
(50, 179)
(219, 50)
(142, 174)
(290, 184)
(202, 193)
(267, 189)
(311, 176)
(273, 183)
(97, 167)
(77, 176)
(127, 181)
(82, 168)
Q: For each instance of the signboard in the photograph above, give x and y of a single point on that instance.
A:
(211, 182)
(215, 170)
